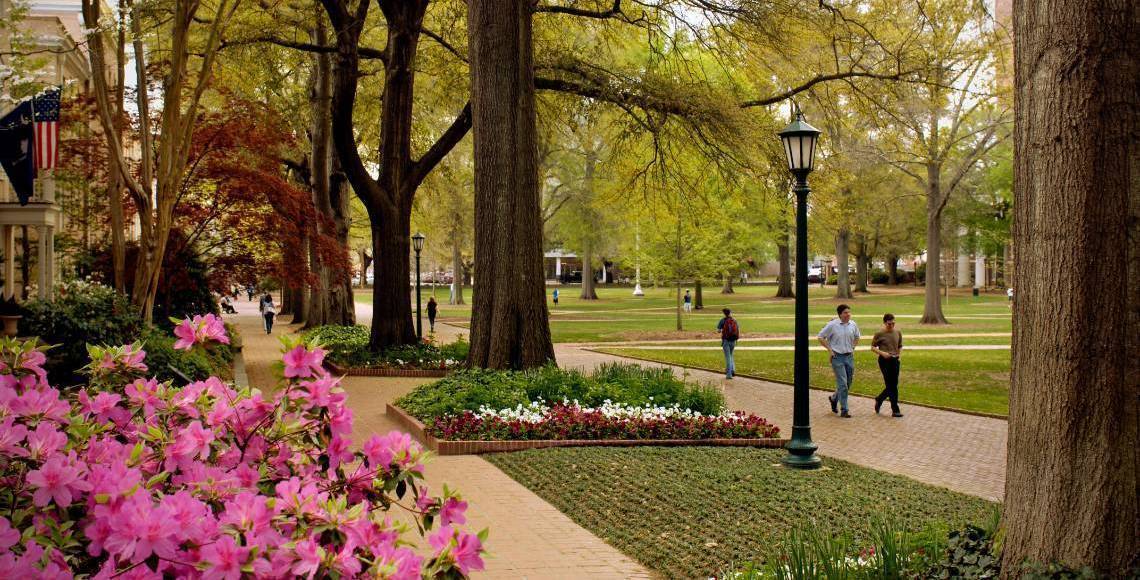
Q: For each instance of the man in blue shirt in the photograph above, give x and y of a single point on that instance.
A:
(840, 337)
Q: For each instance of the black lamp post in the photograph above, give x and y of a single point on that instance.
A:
(418, 246)
(799, 145)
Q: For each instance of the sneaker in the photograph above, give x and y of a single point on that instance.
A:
(845, 415)
(878, 405)
(728, 378)
(834, 404)
(896, 414)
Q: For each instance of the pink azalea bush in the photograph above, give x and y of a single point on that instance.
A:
(567, 420)
(139, 479)
(199, 330)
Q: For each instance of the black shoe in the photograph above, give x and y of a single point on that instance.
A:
(834, 404)
(878, 405)
(896, 414)
(845, 415)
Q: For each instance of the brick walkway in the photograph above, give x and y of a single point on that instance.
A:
(529, 538)
(961, 452)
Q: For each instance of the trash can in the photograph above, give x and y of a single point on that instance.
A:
(975, 291)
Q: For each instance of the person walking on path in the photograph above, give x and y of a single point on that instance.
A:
(688, 303)
(555, 296)
(433, 309)
(268, 311)
(840, 337)
(887, 344)
(249, 290)
(729, 334)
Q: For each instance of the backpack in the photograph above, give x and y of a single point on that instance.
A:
(730, 331)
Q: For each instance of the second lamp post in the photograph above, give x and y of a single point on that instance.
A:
(418, 246)
(799, 145)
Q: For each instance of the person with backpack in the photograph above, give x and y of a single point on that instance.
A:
(555, 296)
(433, 309)
(269, 312)
(688, 301)
(729, 334)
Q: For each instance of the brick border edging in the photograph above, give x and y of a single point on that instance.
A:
(790, 384)
(445, 447)
(384, 372)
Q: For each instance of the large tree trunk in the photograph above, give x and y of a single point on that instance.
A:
(727, 287)
(861, 260)
(843, 287)
(510, 326)
(893, 270)
(1074, 444)
(699, 295)
(588, 291)
(457, 277)
(932, 309)
(784, 282)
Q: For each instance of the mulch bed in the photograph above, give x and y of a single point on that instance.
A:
(384, 372)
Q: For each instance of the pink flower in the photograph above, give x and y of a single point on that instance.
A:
(185, 334)
(405, 562)
(8, 536)
(339, 451)
(200, 329)
(10, 437)
(453, 512)
(377, 452)
(345, 561)
(309, 556)
(302, 362)
(58, 479)
(462, 548)
(247, 512)
(45, 440)
(139, 528)
(41, 403)
(192, 441)
(225, 557)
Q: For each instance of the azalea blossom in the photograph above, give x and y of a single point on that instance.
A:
(199, 330)
(57, 480)
(300, 362)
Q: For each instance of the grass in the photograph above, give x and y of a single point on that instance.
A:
(688, 512)
(970, 380)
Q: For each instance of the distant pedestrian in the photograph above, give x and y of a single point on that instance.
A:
(840, 337)
(887, 344)
(729, 334)
(433, 309)
(227, 305)
(688, 302)
(269, 312)
(249, 290)
(555, 296)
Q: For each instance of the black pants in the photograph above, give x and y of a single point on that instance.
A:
(431, 321)
(269, 322)
(890, 369)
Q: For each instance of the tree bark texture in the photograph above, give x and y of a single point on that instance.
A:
(861, 260)
(457, 278)
(727, 287)
(588, 290)
(1071, 491)
(784, 281)
(510, 326)
(698, 295)
(893, 270)
(387, 198)
(843, 281)
(932, 306)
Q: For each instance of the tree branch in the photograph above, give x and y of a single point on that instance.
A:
(446, 142)
(363, 51)
(600, 14)
(820, 79)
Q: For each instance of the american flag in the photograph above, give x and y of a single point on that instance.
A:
(45, 114)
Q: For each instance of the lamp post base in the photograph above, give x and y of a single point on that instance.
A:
(637, 290)
(801, 450)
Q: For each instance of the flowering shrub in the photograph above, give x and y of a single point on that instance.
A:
(134, 478)
(568, 420)
(348, 347)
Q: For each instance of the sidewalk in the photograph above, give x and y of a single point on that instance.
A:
(529, 538)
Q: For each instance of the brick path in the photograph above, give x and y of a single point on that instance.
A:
(962, 452)
(529, 538)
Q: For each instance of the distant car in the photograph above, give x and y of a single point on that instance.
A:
(815, 275)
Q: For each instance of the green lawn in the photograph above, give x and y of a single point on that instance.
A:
(971, 380)
(688, 512)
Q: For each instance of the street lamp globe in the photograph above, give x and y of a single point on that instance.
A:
(799, 145)
(418, 242)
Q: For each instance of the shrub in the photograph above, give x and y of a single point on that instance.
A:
(348, 347)
(140, 479)
(468, 390)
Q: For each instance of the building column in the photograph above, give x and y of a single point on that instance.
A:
(979, 271)
(558, 267)
(963, 260)
(9, 234)
(42, 263)
(51, 265)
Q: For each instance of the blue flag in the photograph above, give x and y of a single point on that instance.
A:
(17, 136)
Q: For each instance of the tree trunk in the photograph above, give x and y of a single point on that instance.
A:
(861, 260)
(727, 288)
(932, 309)
(588, 291)
(365, 262)
(699, 299)
(843, 287)
(1071, 490)
(784, 285)
(301, 297)
(679, 327)
(893, 270)
(510, 326)
(457, 277)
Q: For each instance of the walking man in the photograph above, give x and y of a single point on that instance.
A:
(840, 337)
(887, 344)
(729, 334)
(433, 309)
(688, 303)
(555, 296)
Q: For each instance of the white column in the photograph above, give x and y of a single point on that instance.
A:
(979, 271)
(9, 234)
(963, 262)
(558, 266)
(42, 263)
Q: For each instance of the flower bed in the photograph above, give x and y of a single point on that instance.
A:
(569, 420)
(138, 479)
(348, 353)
